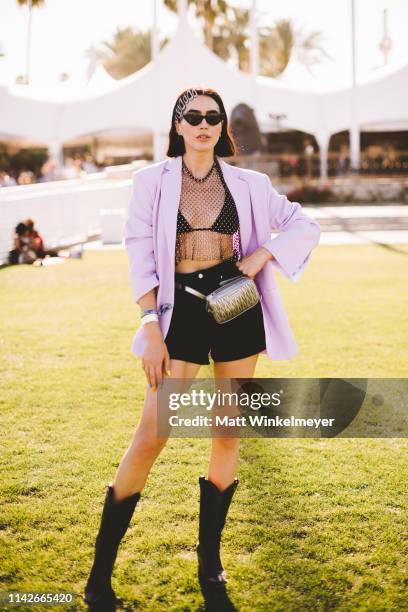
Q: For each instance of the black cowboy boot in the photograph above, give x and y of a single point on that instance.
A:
(115, 520)
(214, 505)
(226, 498)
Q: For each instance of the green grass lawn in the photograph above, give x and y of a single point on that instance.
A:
(316, 524)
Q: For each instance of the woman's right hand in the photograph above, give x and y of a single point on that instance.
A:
(155, 359)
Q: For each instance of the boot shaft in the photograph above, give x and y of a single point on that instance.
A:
(214, 505)
(116, 516)
(115, 520)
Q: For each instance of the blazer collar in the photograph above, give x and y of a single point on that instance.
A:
(170, 199)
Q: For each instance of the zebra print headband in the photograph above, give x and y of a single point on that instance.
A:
(182, 102)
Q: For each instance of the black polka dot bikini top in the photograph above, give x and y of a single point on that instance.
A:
(207, 219)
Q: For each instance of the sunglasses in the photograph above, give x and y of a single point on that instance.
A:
(196, 118)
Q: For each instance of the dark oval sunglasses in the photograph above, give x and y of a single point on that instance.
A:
(196, 118)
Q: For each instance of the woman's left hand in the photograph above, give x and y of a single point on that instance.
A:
(250, 265)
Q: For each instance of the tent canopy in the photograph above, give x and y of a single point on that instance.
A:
(145, 99)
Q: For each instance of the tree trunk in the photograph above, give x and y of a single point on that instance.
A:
(209, 35)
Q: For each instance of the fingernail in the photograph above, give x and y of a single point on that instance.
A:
(154, 388)
(168, 372)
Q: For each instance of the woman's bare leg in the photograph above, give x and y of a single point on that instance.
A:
(224, 451)
(136, 463)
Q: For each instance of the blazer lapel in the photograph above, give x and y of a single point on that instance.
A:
(170, 199)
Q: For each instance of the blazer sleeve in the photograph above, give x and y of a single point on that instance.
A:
(299, 234)
(138, 237)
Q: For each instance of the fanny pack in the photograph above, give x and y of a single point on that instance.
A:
(234, 297)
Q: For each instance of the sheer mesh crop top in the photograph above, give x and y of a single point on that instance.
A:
(207, 219)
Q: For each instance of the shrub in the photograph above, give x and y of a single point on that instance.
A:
(313, 195)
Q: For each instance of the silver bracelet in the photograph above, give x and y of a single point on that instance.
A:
(148, 311)
(149, 318)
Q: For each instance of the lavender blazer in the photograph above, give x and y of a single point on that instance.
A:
(150, 238)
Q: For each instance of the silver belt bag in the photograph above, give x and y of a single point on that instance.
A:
(234, 297)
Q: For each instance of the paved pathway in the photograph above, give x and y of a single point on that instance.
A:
(349, 224)
(353, 224)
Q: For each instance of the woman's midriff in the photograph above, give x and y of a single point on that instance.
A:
(190, 265)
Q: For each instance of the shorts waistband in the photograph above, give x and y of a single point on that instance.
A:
(208, 279)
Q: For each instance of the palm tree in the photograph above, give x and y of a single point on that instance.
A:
(128, 52)
(31, 4)
(277, 44)
(311, 51)
(226, 29)
(232, 33)
(208, 11)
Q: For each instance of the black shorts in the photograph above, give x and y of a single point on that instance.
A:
(193, 332)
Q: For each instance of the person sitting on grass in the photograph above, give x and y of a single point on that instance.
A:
(28, 247)
(37, 243)
(22, 251)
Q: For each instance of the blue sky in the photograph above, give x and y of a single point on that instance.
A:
(64, 29)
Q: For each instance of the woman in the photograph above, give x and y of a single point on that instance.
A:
(194, 221)
(23, 251)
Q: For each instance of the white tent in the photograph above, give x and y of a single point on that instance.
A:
(145, 99)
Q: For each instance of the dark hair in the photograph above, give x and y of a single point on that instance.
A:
(225, 146)
(20, 229)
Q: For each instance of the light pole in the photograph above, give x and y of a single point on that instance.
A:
(254, 41)
(28, 47)
(154, 41)
(154, 50)
(182, 9)
(2, 55)
(354, 128)
(386, 42)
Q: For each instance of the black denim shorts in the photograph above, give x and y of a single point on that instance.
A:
(193, 332)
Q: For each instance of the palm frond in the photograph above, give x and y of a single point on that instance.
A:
(34, 3)
(310, 50)
(127, 52)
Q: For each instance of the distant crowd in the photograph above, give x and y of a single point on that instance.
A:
(72, 168)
